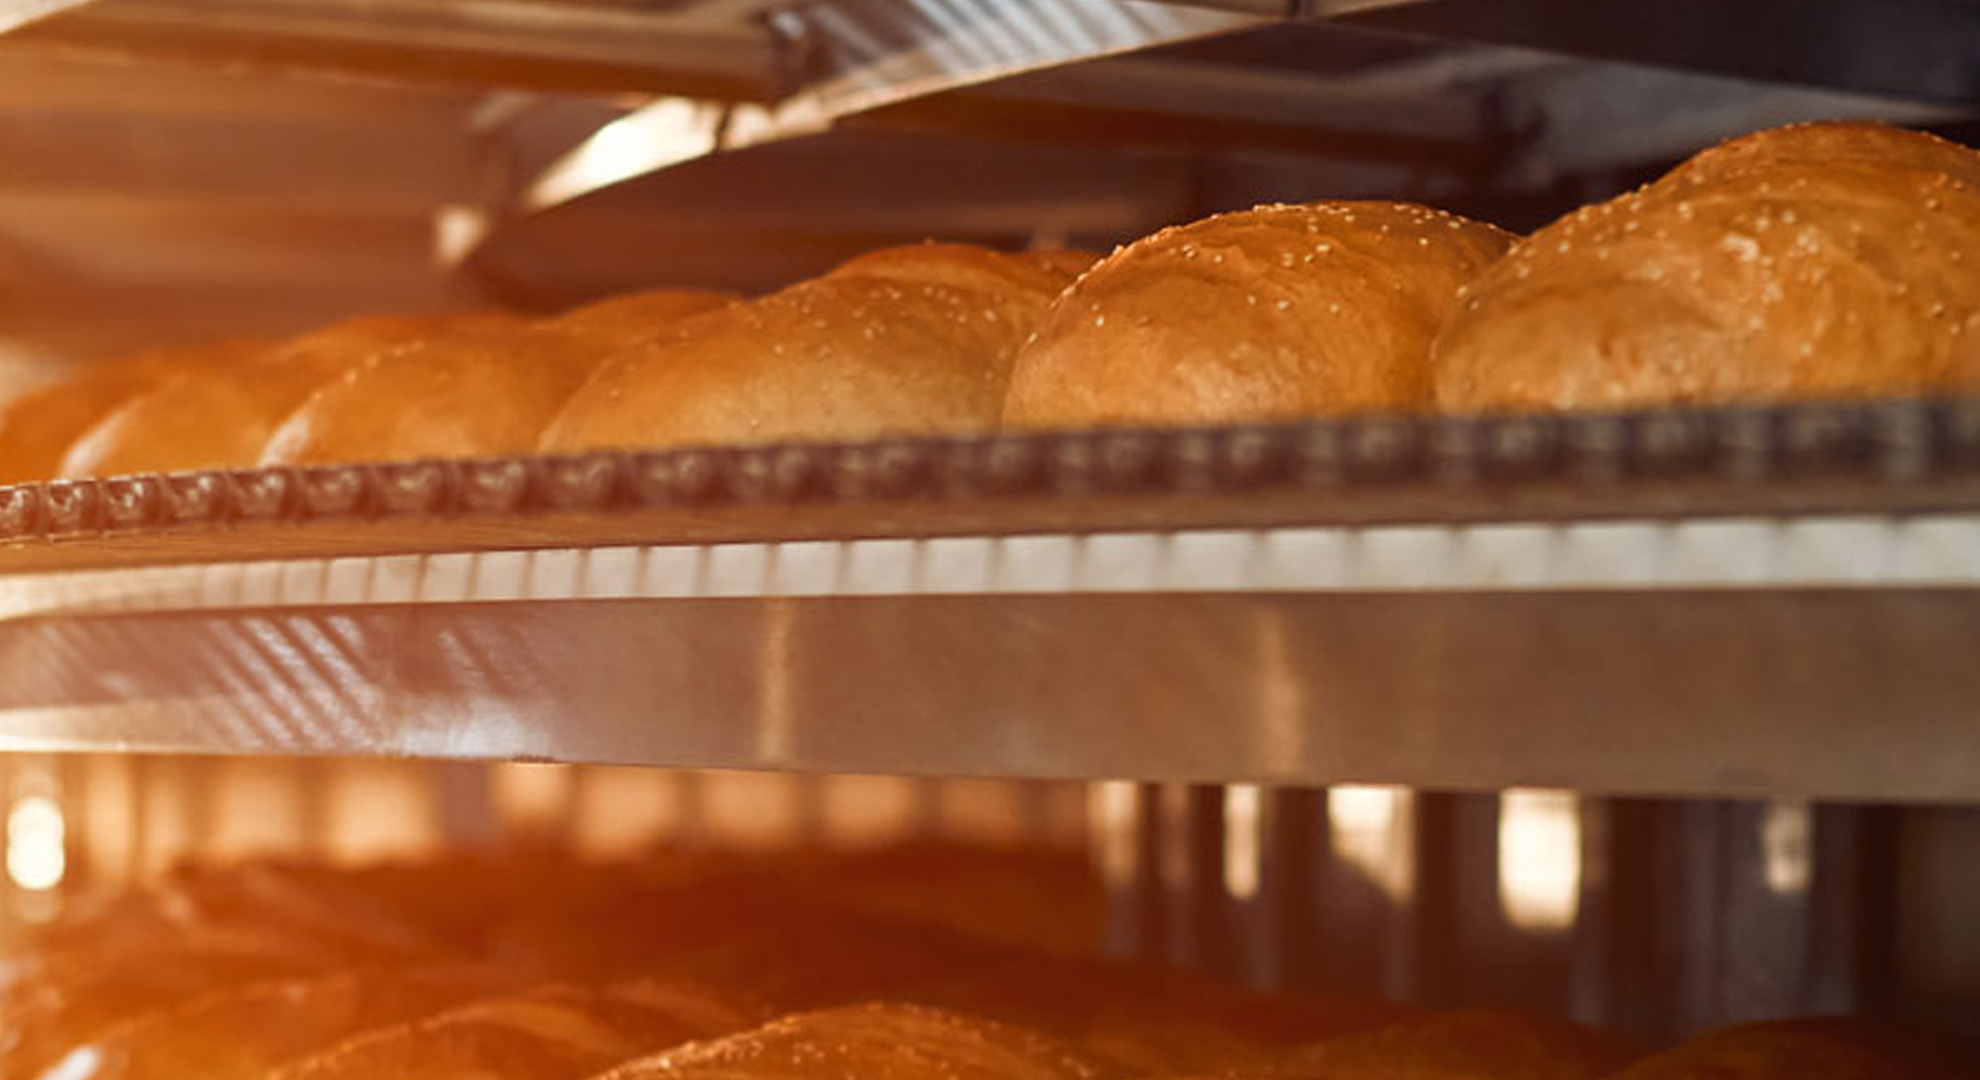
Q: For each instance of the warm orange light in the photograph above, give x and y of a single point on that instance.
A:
(1369, 828)
(532, 797)
(869, 811)
(379, 810)
(1785, 837)
(1112, 811)
(1539, 858)
(1242, 856)
(622, 810)
(37, 850)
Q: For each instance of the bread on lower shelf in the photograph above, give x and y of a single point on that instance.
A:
(242, 1032)
(710, 967)
(556, 1031)
(1828, 1048)
(872, 1042)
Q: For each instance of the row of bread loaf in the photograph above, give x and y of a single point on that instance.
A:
(1825, 260)
(704, 968)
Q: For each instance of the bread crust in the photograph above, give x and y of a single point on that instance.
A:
(482, 391)
(905, 341)
(1271, 313)
(1818, 261)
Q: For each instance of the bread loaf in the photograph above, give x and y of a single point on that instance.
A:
(1824, 260)
(240, 1033)
(480, 392)
(1811, 1049)
(900, 342)
(1271, 313)
(555, 1032)
(37, 428)
(221, 416)
(1465, 1044)
(870, 1042)
(1148, 1019)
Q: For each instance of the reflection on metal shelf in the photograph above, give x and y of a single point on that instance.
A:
(1243, 853)
(861, 56)
(37, 854)
(1813, 552)
(1786, 853)
(1372, 828)
(580, 45)
(15, 14)
(1539, 858)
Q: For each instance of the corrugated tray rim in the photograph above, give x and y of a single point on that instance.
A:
(1886, 456)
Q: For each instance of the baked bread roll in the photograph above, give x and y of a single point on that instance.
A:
(470, 394)
(1811, 1049)
(1272, 313)
(871, 1042)
(1466, 1044)
(37, 428)
(240, 1033)
(1149, 1019)
(220, 417)
(71, 999)
(907, 341)
(1824, 260)
(548, 1033)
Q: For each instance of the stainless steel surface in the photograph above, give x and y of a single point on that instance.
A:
(860, 56)
(1051, 657)
(15, 14)
(1927, 50)
(588, 46)
(1889, 460)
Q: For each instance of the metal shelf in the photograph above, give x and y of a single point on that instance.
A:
(1722, 603)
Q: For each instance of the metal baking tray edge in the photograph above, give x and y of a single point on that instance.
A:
(1888, 457)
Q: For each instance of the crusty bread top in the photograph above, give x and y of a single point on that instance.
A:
(1818, 1048)
(1275, 312)
(627, 318)
(221, 416)
(481, 391)
(37, 428)
(1757, 271)
(1824, 143)
(914, 340)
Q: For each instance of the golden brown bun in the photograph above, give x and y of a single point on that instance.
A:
(219, 417)
(480, 392)
(629, 318)
(1149, 1019)
(1826, 143)
(1815, 261)
(871, 1042)
(1466, 1044)
(37, 428)
(554, 1031)
(1272, 313)
(906, 341)
(240, 1033)
(69, 999)
(1812, 1049)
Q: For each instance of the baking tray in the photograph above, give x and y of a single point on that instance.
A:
(1893, 457)
(1720, 602)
